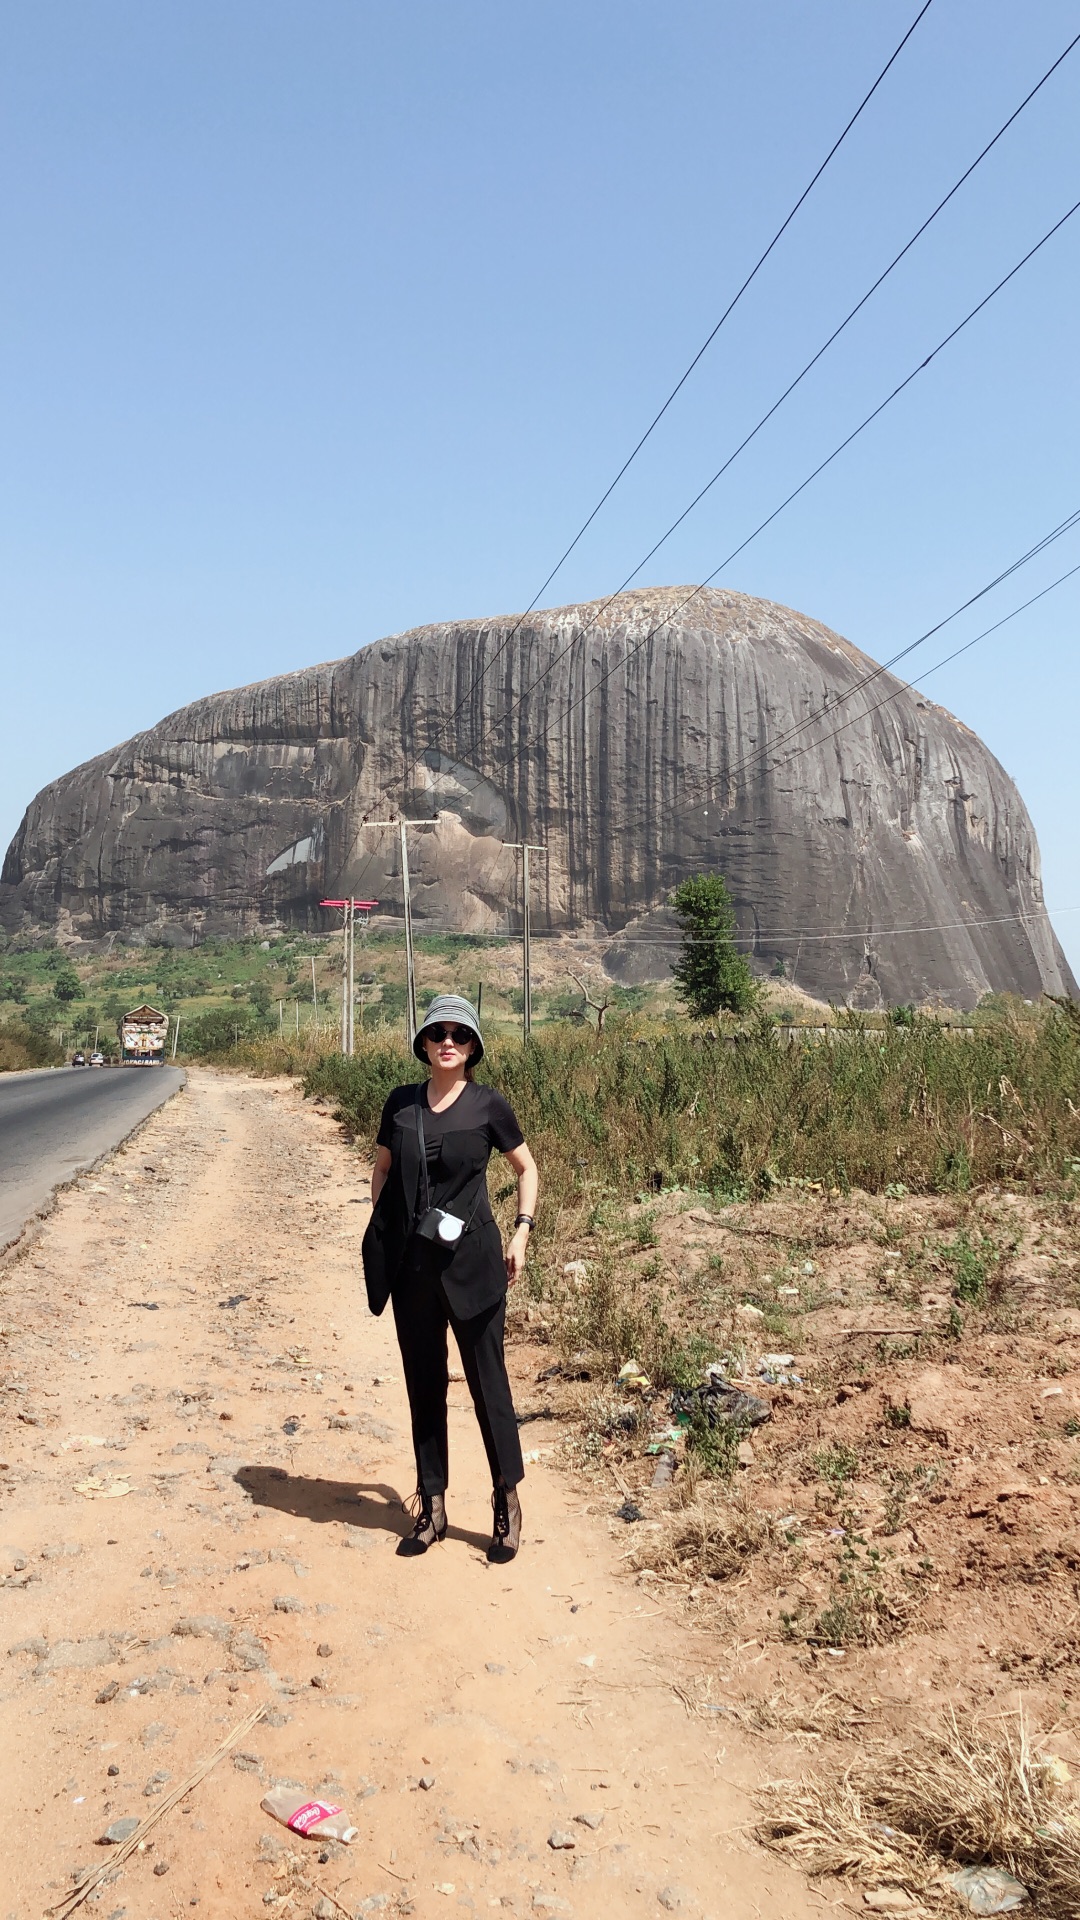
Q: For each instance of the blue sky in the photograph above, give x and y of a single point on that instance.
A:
(322, 320)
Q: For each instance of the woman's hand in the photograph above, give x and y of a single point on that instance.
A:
(525, 1167)
(380, 1172)
(515, 1255)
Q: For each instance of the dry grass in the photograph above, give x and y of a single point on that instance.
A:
(968, 1792)
(826, 1826)
(705, 1541)
(829, 1717)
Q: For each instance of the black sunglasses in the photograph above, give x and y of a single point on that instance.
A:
(461, 1036)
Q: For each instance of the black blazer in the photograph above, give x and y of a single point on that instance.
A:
(473, 1272)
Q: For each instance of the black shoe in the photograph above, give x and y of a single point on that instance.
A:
(506, 1534)
(428, 1527)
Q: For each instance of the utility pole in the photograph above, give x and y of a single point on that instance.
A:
(403, 826)
(525, 847)
(345, 1048)
(352, 977)
(348, 965)
(314, 995)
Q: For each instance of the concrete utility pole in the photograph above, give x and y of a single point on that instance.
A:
(525, 847)
(348, 909)
(345, 1047)
(352, 976)
(411, 1022)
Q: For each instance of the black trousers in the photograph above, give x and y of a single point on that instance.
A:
(422, 1314)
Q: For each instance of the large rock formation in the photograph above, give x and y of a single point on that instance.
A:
(880, 851)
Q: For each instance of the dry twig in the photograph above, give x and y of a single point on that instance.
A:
(119, 1854)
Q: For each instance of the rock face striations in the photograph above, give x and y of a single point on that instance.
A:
(878, 851)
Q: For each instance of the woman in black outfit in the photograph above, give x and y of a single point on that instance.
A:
(433, 1248)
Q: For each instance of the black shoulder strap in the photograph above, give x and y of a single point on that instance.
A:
(419, 1111)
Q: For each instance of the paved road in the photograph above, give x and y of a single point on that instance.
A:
(59, 1121)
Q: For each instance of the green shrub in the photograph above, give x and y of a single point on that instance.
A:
(837, 1465)
(66, 984)
(969, 1264)
(218, 1031)
(715, 1449)
(23, 1046)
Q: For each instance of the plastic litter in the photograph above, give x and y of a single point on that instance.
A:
(721, 1402)
(778, 1370)
(664, 1471)
(987, 1890)
(315, 1818)
(632, 1376)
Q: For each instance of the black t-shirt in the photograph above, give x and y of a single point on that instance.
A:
(459, 1140)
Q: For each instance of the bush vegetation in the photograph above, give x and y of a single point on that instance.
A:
(22, 1046)
(887, 1109)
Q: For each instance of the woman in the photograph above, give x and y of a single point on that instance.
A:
(433, 1249)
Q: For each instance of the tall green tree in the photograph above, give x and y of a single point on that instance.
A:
(711, 974)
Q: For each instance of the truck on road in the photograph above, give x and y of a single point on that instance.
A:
(143, 1033)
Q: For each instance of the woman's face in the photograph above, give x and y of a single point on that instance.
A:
(451, 1050)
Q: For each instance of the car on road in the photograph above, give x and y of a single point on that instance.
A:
(78, 1059)
(97, 1059)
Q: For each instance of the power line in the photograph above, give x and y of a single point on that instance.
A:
(699, 355)
(910, 687)
(764, 753)
(778, 403)
(766, 938)
(1040, 546)
(588, 692)
(796, 491)
(441, 730)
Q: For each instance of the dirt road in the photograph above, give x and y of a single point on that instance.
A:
(205, 1451)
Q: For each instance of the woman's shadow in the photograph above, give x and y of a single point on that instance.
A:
(370, 1505)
